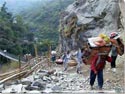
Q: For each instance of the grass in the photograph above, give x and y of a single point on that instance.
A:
(9, 66)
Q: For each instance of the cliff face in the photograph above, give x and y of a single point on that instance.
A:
(87, 18)
(122, 9)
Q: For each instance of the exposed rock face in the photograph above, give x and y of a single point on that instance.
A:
(122, 9)
(87, 18)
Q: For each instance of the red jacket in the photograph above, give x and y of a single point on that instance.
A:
(101, 63)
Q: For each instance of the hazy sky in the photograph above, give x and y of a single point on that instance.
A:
(19, 5)
(20, 0)
(13, 1)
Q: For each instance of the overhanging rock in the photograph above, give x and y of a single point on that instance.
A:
(87, 18)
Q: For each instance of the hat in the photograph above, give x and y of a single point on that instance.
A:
(114, 35)
(53, 52)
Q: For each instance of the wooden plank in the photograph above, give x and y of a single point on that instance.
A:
(10, 77)
(23, 70)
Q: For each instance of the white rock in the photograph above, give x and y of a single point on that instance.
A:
(13, 88)
(34, 92)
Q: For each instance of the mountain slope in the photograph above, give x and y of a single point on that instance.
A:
(44, 19)
(41, 19)
(13, 33)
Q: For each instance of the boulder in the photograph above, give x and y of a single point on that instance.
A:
(87, 18)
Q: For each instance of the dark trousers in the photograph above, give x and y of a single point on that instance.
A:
(113, 63)
(53, 58)
(99, 78)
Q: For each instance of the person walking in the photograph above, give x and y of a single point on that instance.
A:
(97, 65)
(114, 51)
(114, 55)
(53, 56)
(79, 60)
(66, 57)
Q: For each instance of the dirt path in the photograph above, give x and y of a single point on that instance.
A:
(112, 80)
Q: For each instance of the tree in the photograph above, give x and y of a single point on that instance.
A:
(3, 8)
(46, 46)
(12, 33)
(30, 36)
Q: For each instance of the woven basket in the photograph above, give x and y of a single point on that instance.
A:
(59, 61)
(72, 63)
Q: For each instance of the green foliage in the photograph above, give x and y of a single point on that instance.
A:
(41, 21)
(44, 18)
(30, 36)
(44, 45)
(9, 66)
(13, 31)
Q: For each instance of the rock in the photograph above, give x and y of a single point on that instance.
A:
(118, 89)
(40, 85)
(107, 80)
(26, 81)
(51, 72)
(36, 77)
(64, 85)
(49, 85)
(34, 92)
(46, 79)
(41, 74)
(56, 88)
(62, 78)
(2, 87)
(47, 90)
(32, 88)
(56, 80)
(92, 17)
(8, 84)
(16, 82)
(13, 89)
(53, 77)
(42, 71)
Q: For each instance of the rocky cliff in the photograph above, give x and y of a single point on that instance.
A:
(87, 18)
